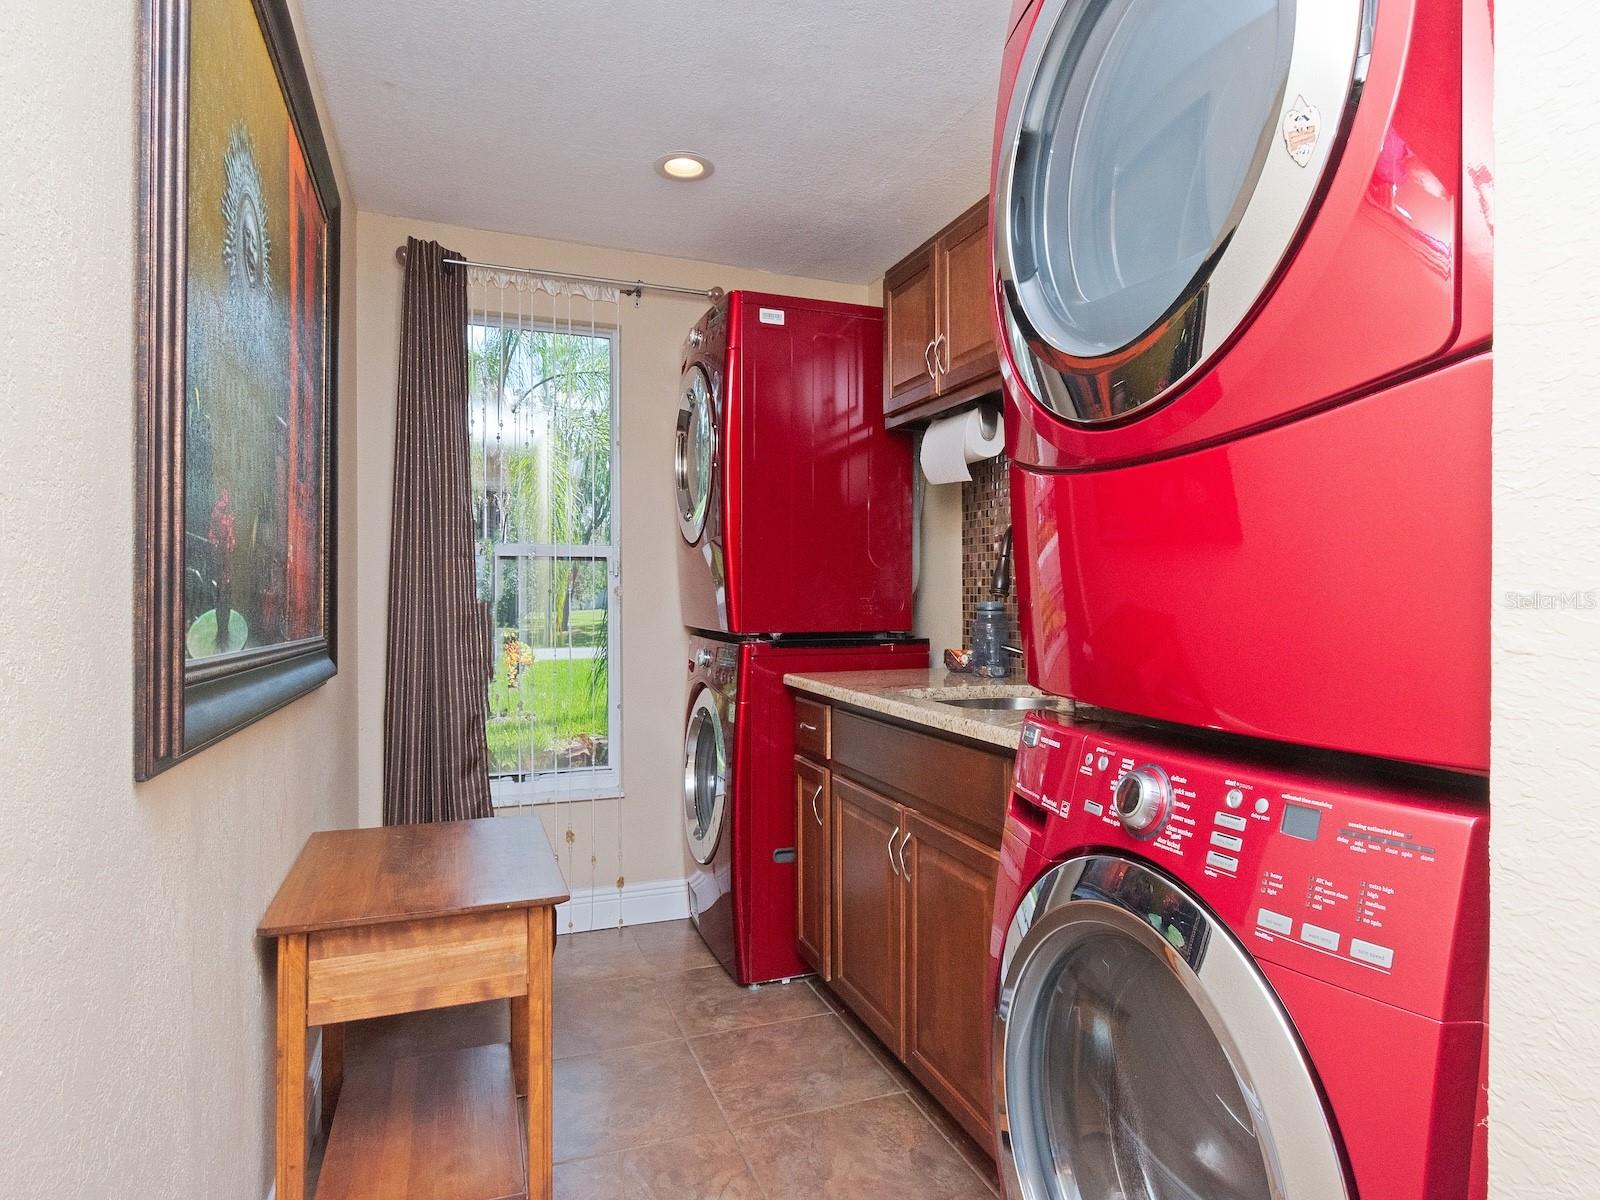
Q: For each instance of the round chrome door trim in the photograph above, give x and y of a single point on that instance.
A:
(693, 510)
(1327, 65)
(704, 836)
(1110, 893)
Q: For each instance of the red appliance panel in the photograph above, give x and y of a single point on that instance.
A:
(1398, 1049)
(1324, 582)
(816, 492)
(765, 885)
(1391, 272)
(1385, 1070)
(1375, 888)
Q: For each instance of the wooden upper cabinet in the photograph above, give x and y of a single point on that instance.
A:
(813, 807)
(866, 909)
(909, 309)
(949, 904)
(939, 348)
(968, 352)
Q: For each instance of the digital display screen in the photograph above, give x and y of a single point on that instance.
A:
(1301, 822)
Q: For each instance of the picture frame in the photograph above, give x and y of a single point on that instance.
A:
(235, 586)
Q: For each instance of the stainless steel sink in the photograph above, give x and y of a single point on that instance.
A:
(1004, 702)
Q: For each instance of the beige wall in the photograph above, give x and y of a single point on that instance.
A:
(135, 1006)
(938, 614)
(1545, 992)
(653, 643)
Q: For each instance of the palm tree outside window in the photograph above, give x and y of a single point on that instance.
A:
(543, 420)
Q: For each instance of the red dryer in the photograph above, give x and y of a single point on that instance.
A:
(739, 801)
(1218, 974)
(794, 501)
(1242, 287)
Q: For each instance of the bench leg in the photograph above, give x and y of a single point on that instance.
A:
(536, 1051)
(291, 1068)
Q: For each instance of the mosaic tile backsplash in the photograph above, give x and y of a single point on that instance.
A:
(985, 514)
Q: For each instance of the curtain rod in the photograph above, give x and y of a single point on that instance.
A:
(628, 287)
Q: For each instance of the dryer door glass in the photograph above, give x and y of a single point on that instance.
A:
(1141, 1101)
(1140, 137)
(705, 779)
(1141, 1054)
(694, 453)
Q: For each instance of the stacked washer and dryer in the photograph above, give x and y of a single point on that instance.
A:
(1242, 289)
(794, 510)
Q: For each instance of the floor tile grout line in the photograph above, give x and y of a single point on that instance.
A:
(812, 1112)
(756, 1025)
(749, 1168)
(962, 1154)
(666, 1141)
(829, 1009)
(857, 1034)
(827, 1108)
(650, 1045)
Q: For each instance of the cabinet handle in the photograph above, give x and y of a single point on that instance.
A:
(893, 833)
(927, 360)
(941, 355)
(814, 797)
(905, 871)
(808, 726)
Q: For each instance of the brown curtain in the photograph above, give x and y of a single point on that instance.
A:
(435, 761)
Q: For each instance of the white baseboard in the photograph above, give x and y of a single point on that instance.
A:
(636, 904)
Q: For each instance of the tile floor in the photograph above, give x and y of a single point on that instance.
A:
(674, 1083)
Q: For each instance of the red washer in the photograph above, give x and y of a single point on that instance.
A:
(794, 501)
(1215, 971)
(1243, 290)
(738, 791)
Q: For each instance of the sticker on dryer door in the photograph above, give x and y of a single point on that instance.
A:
(1301, 126)
(771, 316)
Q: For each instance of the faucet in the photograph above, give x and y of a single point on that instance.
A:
(1000, 581)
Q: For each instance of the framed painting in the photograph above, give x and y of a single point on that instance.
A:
(238, 334)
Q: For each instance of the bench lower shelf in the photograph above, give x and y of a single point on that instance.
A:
(439, 1126)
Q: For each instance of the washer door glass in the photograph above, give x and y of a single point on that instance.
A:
(695, 453)
(1142, 1055)
(1145, 128)
(705, 779)
(1139, 1101)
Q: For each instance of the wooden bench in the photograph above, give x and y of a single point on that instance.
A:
(371, 922)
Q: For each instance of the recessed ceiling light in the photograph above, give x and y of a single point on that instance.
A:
(684, 166)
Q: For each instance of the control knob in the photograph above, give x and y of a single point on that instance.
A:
(1144, 801)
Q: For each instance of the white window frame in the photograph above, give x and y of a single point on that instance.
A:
(580, 783)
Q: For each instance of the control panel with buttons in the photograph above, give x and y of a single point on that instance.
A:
(1369, 885)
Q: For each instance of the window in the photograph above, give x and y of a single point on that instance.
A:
(543, 402)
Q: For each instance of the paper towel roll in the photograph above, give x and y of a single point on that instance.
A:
(950, 444)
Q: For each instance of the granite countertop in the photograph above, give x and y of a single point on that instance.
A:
(916, 696)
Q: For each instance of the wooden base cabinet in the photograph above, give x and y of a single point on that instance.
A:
(896, 902)
(868, 956)
(948, 882)
(813, 822)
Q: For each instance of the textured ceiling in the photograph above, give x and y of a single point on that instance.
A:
(842, 133)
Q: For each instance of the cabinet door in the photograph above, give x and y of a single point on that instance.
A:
(812, 804)
(866, 908)
(908, 313)
(964, 265)
(949, 889)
